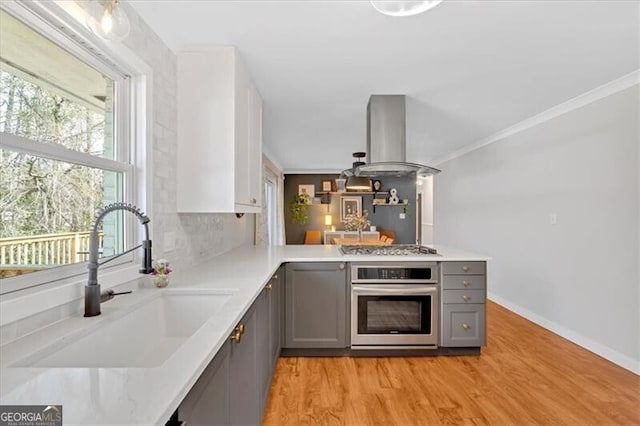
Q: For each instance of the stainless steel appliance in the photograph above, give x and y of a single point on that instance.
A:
(391, 250)
(387, 141)
(394, 305)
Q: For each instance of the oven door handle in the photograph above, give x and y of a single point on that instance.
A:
(396, 281)
(414, 290)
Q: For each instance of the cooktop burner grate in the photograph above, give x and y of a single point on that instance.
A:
(392, 250)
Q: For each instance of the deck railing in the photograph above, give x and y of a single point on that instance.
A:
(48, 249)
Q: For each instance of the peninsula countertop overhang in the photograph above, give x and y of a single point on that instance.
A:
(150, 395)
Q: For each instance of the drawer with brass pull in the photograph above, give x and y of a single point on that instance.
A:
(463, 268)
(461, 282)
(463, 296)
(465, 325)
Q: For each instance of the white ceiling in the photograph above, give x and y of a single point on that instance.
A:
(469, 68)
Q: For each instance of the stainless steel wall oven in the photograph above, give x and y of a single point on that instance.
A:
(394, 305)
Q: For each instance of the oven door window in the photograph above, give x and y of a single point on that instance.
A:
(394, 314)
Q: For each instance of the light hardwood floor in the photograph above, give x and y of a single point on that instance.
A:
(525, 375)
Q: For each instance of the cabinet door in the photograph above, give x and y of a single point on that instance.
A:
(242, 106)
(243, 386)
(263, 346)
(207, 403)
(254, 148)
(315, 304)
(275, 316)
(463, 325)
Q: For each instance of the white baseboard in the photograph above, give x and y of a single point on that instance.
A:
(607, 353)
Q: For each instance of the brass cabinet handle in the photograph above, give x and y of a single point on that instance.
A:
(241, 328)
(275, 277)
(465, 283)
(465, 326)
(465, 268)
(236, 336)
(253, 200)
(268, 286)
(466, 298)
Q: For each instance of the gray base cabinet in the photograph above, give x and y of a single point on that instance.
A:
(276, 316)
(316, 305)
(268, 317)
(463, 304)
(234, 387)
(243, 386)
(464, 325)
(207, 403)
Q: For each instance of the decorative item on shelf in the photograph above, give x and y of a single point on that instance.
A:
(327, 185)
(377, 185)
(325, 198)
(357, 223)
(350, 206)
(309, 190)
(341, 185)
(161, 273)
(108, 20)
(298, 208)
(393, 196)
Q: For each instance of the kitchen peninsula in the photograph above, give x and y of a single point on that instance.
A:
(120, 393)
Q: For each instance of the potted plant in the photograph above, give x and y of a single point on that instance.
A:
(298, 208)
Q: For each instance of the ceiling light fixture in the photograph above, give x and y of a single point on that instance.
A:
(357, 183)
(108, 20)
(404, 8)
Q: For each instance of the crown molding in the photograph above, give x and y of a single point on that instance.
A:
(579, 101)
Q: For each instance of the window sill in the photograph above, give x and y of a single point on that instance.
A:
(22, 304)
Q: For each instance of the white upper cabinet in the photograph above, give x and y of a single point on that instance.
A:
(219, 133)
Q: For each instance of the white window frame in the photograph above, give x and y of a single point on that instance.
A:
(62, 23)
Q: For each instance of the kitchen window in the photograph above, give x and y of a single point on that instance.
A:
(66, 151)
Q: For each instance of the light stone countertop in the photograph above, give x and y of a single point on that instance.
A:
(150, 395)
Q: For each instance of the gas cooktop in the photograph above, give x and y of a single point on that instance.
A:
(391, 250)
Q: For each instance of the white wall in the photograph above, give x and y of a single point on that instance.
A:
(579, 277)
(197, 236)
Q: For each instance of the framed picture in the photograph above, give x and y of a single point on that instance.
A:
(350, 206)
(309, 190)
(341, 185)
(327, 186)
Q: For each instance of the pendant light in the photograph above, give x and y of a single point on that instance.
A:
(108, 20)
(358, 183)
(404, 8)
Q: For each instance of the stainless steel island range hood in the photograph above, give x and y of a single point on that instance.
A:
(387, 141)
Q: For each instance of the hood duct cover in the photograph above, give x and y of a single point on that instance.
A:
(387, 140)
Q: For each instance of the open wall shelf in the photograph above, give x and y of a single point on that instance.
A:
(354, 193)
